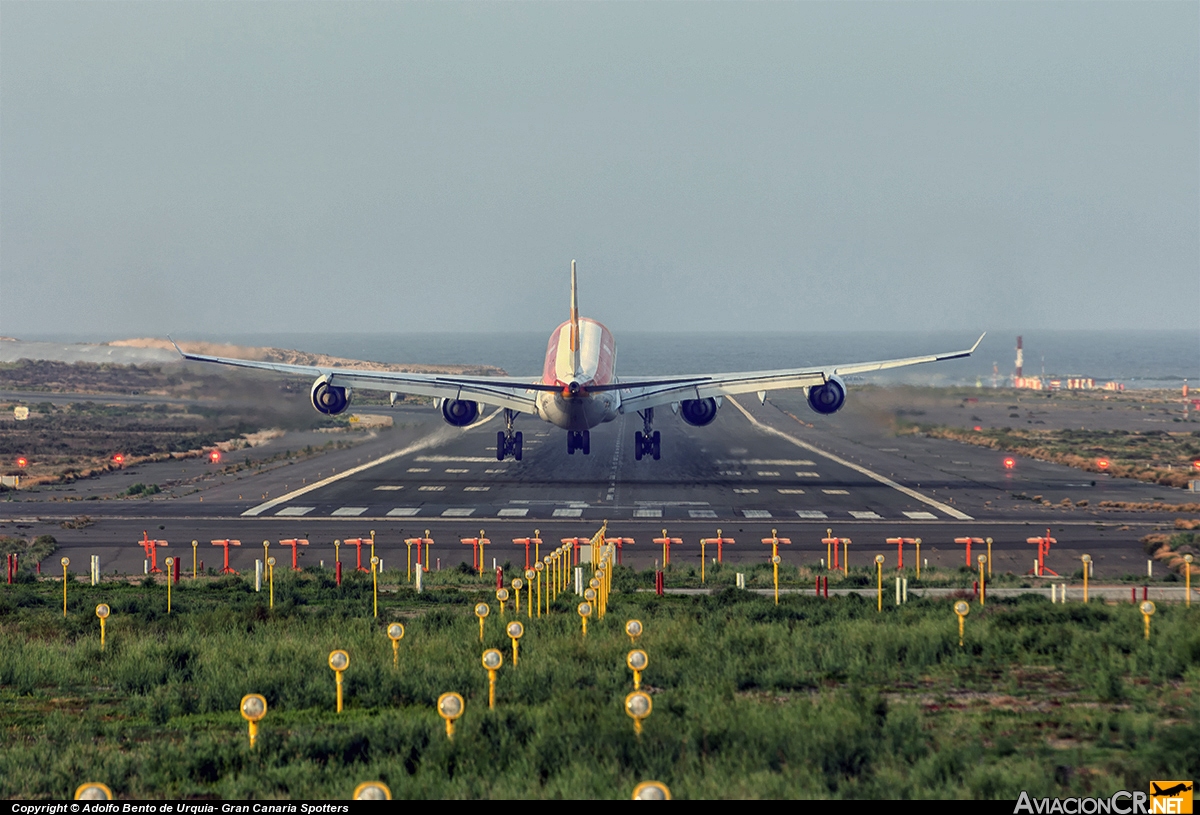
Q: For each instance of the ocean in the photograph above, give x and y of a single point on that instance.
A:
(1138, 359)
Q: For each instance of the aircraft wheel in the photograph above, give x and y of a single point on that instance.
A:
(638, 445)
(570, 443)
(500, 446)
(655, 445)
(587, 443)
(517, 446)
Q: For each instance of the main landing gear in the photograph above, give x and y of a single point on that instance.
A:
(646, 442)
(508, 442)
(579, 440)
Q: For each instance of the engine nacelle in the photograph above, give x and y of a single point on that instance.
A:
(698, 412)
(329, 399)
(459, 412)
(828, 398)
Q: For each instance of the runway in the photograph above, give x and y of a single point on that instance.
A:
(757, 467)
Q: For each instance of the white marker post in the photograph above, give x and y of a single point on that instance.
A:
(420, 581)
(258, 575)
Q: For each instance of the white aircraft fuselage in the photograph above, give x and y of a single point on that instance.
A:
(572, 406)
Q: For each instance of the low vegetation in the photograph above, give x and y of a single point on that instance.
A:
(810, 698)
(1154, 456)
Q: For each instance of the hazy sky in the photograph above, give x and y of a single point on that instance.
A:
(208, 167)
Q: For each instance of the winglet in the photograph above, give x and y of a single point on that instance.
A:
(976, 345)
(177, 348)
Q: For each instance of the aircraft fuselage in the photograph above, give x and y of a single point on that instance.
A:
(572, 406)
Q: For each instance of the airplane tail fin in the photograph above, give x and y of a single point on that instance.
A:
(574, 317)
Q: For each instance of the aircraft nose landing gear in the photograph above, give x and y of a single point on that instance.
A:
(646, 442)
(579, 440)
(508, 442)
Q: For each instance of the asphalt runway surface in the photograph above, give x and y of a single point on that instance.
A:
(754, 469)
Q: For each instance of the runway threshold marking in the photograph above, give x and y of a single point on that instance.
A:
(429, 441)
(911, 493)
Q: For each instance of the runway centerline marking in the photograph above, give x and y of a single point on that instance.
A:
(438, 488)
(418, 469)
(389, 487)
(568, 513)
(911, 493)
(476, 489)
(435, 438)
(827, 492)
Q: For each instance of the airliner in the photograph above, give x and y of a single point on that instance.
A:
(579, 388)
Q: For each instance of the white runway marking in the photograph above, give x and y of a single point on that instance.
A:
(459, 512)
(747, 491)
(534, 503)
(348, 511)
(730, 472)
(769, 462)
(494, 471)
(568, 513)
(418, 469)
(866, 516)
(389, 487)
(513, 513)
(921, 516)
(670, 503)
(457, 459)
(766, 473)
(812, 514)
(790, 492)
(438, 488)
(438, 437)
(701, 513)
(476, 489)
(827, 492)
(756, 513)
(647, 513)
(456, 470)
(911, 493)
(295, 511)
(403, 512)
(807, 474)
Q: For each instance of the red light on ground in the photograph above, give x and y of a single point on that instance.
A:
(1196, 464)
(1009, 463)
(1102, 463)
(214, 456)
(22, 461)
(118, 459)
(978, 428)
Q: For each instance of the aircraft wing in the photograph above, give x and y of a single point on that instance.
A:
(641, 395)
(505, 392)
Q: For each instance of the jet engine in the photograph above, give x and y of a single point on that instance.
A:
(329, 399)
(459, 412)
(698, 412)
(828, 398)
